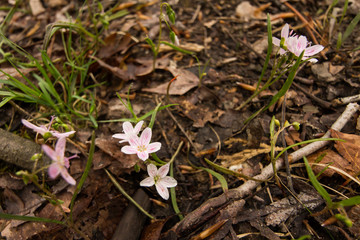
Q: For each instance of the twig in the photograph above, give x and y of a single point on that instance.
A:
(197, 216)
(182, 130)
(321, 102)
(345, 100)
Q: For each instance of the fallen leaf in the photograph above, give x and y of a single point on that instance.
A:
(332, 158)
(113, 44)
(184, 82)
(153, 230)
(246, 12)
(36, 7)
(200, 114)
(350, 150)
(113, 149)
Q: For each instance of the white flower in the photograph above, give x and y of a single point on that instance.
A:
(129, 131)
(60, 162)
(141, 146)
(296, 44)
(159, 179)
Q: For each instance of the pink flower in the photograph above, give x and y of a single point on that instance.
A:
(285, 35)
(129, 131)
(60, 162)
(296, 44)
(141, 146)
(44, 130)
(159, 178)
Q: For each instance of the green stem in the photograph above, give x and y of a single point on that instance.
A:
(117, 185)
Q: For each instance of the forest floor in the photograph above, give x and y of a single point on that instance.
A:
(104, 54)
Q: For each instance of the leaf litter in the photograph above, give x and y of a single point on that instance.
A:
(99, 207)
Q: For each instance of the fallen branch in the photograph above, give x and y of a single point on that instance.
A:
(17, 150)
(198, 216)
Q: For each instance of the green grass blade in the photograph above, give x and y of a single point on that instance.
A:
(268, 54)
(5, 100)
(306, 142)
(219, 177)
(118, 186)
(349, 202)
(153, 116)
(350, 27)
(173, 195)
(283, 90)
(86, 172)
(177, 48)
(230, 172)
(29, 218)
(317, 185)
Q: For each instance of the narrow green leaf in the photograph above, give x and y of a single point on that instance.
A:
(177, 48)
(269, 51)
(86, 171)
(306, 142)
(153, 116)
(5, 100)
(118, 186)
(349, 202)
(219, 177)
(230, 172)
(351, 26)
(173, 195)
(282, 91)
(317, 185)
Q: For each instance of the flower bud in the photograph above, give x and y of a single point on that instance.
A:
(174, 39)
(171, 14)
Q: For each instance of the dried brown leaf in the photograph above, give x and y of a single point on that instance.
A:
(184, 82)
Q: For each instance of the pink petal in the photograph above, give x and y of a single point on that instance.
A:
(276, 41)
(145, 137)
(147, 182)
(163, 171)
(120, 136)
(153, 147)
(53, 170)
(285, 31)
(128, 128)
(138, 127)
(152, 170)
(143, 155)
(50, 152)
(61, 135)
(162, 190)
(41, 130)
(134, 141)
(129, 149)
(310, 51)
(168, 181)
(313, 60)
(60, 147)
(282, 51)
(64, 173)
(66, 162)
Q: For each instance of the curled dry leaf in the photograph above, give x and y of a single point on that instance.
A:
(184, 82)
(346, 158)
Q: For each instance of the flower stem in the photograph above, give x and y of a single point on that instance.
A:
(117, 185)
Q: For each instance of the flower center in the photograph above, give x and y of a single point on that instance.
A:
(141, 148)
(156, 178)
